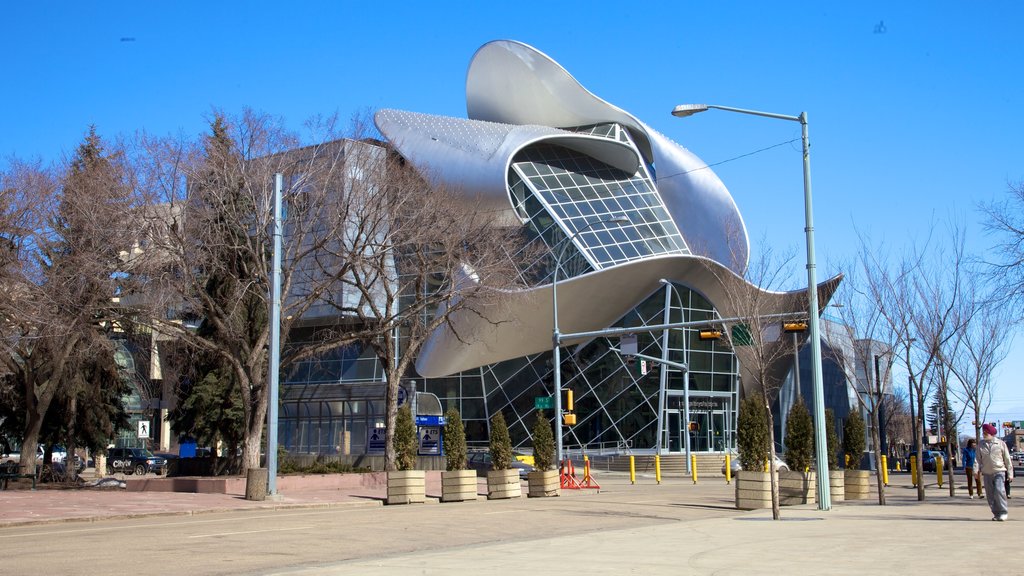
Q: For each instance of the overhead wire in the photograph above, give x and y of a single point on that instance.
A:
(706, 166)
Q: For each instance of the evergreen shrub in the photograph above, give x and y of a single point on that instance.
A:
(543, 443)
(501, 444)
(752, 437)
(454, 441)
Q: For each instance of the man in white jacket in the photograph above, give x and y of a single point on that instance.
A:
(996, 467)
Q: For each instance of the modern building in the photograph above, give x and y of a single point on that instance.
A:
(637, 232)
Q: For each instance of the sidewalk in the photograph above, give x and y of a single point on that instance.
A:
(55, 503)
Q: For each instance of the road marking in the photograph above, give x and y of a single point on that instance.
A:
(250, 532)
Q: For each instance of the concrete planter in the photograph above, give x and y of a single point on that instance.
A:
(458, 485)
(753, 490)
(858, 484)
(837, 485)
(543, 484)
(503, 484)
(797, 487)
(407, 487)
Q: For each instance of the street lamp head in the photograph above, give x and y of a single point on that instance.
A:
(617, 220)
(684, 110)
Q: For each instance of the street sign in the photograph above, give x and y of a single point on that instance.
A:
(627, 344)
(430, 441)
(375, 444)
(143, 429)
(543, 402)
(1018, 424)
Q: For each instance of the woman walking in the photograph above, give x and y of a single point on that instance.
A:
(996, 469)
(970, 463)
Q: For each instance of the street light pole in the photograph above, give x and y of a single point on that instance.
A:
(556, 336)
(821, 452)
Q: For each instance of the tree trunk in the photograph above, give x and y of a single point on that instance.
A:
(920, 448)
(876, 441)
(776, 511)
(391, 403)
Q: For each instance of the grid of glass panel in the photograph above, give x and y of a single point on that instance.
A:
(579, 191)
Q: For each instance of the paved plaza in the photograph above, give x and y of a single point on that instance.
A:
(673, 528)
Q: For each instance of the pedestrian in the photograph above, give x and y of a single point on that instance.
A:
(969, 468)
(996, 470)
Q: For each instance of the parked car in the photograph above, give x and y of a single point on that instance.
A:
(734, 464)
(481, 462)
(138, 461)
(927, 459)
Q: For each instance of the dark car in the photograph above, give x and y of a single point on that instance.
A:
(138, 461)
(481, 462)
(927, 459)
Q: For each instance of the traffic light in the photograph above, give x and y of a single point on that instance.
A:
(569, 419)
(792, 327)
(568, 401)
(710, 334)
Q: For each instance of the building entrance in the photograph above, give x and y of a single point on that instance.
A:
(709, 426)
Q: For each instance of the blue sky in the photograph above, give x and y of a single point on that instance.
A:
(914, 109)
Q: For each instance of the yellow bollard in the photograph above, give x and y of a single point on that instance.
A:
(693, 467)
(728, 469)
(632, 469)
(657, 468)
(913, 470)
(899, 467)
(885, 470)
(938, 469)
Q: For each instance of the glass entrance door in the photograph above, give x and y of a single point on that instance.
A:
(675, 431)
(709, 432)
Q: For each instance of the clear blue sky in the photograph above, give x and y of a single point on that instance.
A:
(914, 107)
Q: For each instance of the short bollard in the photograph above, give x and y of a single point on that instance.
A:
(938, 469)
(728, 469)
(693, 467)
(885, 470)
(657, 468)
(632, 469)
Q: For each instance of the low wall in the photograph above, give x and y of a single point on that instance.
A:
(291, 482)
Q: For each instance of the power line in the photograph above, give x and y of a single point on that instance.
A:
(706, 166)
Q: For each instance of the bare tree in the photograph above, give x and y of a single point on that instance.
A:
(983, 345)
(863, 346)
(757, 338)
(64, 273)
(417, 254)
(917, 300)
(1005, 220)
(208, 248)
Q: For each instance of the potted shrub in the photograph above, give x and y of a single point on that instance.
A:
(753, 483)
(457, 482)
(503, 479)
(857, 482)
(543, 481)
(797, 486)
(405, 485)
(836, 477)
